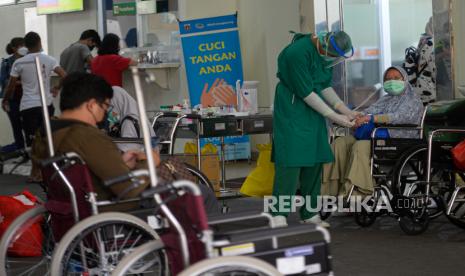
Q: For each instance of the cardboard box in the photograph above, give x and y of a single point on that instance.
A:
(210, 167)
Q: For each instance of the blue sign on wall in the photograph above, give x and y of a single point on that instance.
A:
(212, 56)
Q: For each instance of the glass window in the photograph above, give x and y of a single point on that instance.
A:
(380, 32)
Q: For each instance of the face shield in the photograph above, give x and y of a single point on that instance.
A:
(337, 47)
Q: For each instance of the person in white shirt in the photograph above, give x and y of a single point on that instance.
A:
(125, 114)
(24, 69)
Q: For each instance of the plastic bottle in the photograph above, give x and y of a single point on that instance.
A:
(186, 106)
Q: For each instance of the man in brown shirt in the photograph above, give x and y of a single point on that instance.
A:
(84, 103)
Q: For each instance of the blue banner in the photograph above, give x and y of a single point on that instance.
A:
(212, 56)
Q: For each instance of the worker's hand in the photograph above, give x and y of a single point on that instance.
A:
(207, 99)
(341, 120)
(5, 105)
(343, 109)
(55, 91)
(224, 95)
(353, 115)
(130, 157)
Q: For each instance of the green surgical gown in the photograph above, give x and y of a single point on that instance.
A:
(300, 137)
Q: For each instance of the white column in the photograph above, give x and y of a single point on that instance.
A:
(101, 17)
(384, 35)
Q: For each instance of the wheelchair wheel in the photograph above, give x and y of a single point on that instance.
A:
(324, 215)
(415, 223)
(95, 245)
(224, 266)
(459, 222)
(200, 176)
(40, 249)
(410, 169)
(144, 260)
(365, 218)
(457, 216)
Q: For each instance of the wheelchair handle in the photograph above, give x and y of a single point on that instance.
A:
(60, 157)
(193, 116)
(125, 177)
(169, 114)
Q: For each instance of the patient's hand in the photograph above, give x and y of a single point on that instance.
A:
(141, 156)
(130, 157)
(361, 121)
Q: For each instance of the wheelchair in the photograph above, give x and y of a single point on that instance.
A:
(399, 167)
(70, 199)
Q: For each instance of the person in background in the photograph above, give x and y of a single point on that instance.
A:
(123, 117)
(17, 51)
(400, 105)
(420, 65)
(24, 70)
(77, 57)
(300, 144)
(109, 64)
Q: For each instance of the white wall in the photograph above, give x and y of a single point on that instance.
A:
(66, 28)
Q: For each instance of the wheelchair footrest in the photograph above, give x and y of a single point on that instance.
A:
(299, 249)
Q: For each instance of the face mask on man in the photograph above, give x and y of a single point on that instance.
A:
(394, 87)
(104, 123)
(22, 51)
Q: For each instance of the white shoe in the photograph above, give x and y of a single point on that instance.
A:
(279, 221)
(316, 220)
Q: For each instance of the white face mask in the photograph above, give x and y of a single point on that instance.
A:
(22, 51)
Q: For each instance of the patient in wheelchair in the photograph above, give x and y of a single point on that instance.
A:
(85, 102)
(400, 105)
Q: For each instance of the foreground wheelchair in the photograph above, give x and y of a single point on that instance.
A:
(399, 168)
(70, 198)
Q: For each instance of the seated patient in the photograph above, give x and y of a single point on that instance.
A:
(85, 99)
(352, 158)
(124, 117)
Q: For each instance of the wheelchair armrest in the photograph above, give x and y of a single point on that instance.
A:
(446, 130)
(61, 157)
(222, 219)
(122, 140)
(12, 155)
(105, 203)
(125, 177)
(396, 126)
(157, 190)
(393, 127)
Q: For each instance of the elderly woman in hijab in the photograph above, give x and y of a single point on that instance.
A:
(400, 105)
(125, 116)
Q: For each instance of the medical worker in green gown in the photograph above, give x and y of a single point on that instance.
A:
(304, 99)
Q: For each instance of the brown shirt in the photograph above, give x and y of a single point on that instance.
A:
(98, 151)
